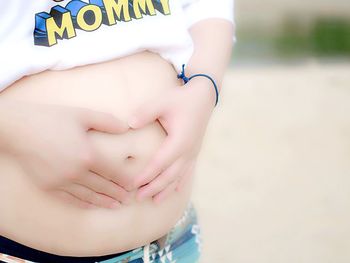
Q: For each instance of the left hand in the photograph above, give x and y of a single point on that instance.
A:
(184, 112)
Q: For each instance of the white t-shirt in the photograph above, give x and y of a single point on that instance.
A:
(36, 35)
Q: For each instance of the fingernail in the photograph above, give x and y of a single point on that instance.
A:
(91, 206)
(115, 205)
(132, 122)
(157, 200)
(94, 207)
(126, 126)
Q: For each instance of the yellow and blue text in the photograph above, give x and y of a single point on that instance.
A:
(62, 22)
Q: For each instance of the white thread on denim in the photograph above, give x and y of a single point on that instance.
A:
(146, 254)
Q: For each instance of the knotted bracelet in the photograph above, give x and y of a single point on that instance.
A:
(186, 79)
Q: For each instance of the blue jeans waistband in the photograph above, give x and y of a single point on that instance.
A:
(182, 237)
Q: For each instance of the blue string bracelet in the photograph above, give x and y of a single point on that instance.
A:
(186, 79)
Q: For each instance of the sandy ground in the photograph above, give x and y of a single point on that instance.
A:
(273, 178)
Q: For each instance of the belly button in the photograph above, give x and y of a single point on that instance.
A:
(129, 158)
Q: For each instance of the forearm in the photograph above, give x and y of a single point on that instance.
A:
(212, 40)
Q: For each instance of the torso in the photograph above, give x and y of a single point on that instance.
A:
(33, 217)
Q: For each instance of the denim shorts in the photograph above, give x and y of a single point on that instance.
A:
(181, 244)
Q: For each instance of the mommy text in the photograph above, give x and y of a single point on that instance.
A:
(62, 22)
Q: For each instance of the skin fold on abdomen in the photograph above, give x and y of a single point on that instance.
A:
(33, 217)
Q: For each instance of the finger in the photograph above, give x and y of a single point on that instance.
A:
(162, 181)
(146, 114)
(103, 122)
(101, 185)
(41, 170)
(87, 195)
(105, 166)
(165, 193)
(164, 157)
(70, 199)
(185, 177)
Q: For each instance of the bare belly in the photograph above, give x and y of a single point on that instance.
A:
(33, 217)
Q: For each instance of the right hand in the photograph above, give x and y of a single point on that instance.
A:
(51, 144)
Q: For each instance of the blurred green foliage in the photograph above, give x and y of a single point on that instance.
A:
(324, 37)
(330, 36)
(296, 40)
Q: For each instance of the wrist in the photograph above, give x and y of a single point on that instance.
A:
(200, 79)
(203, 92)
(204, 89)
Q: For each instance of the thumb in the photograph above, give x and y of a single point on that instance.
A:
(104, 122)
(147, 113)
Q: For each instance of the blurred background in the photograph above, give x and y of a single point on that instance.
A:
(276, 30)
(273, 177)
